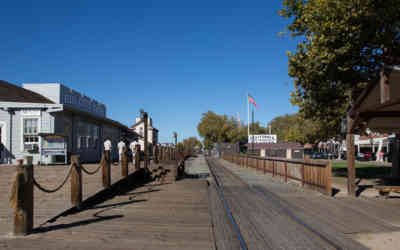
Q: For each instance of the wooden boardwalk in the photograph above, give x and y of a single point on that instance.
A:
(172, 215)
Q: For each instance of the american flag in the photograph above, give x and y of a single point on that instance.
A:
(251, 99)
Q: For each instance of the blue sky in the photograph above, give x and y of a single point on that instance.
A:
(175, 59)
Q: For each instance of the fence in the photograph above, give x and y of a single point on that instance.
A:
(22, 191)
(310, 173)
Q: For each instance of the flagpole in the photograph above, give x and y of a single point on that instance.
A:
(248, 117)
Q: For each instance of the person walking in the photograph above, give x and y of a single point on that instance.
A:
(108, 148)
(121, 146)
(132, 147)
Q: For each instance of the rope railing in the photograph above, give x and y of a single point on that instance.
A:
(88, 172)
(21, 198)
(48, 190)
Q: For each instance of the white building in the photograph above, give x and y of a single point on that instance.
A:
(51, 121)
(152, 134)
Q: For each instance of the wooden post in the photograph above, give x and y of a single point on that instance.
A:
(351, 171)
(395, 157)
(124, 164)
(286, 177)
(106, 169)
(146, 143)
(328, 176)
(159, 156)
(273, 168)
(137, 156)
(264, 166)
(76, 181)
(302, 175)
(23, 213)
(156, 154)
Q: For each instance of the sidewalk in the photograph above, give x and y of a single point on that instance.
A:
(169, 215)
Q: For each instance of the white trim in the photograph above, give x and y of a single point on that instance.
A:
(3, 139)
(22, 130)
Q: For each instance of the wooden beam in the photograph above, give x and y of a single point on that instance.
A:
(396, 157)
(351, 171)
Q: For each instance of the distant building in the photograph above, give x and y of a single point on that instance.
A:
(152, 134)
(51, 121)
(289, 150)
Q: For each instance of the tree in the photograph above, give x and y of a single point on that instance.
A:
(345, 45)
(190, 144)
(295, 128)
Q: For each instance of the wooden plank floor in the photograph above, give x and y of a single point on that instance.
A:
(173, 215)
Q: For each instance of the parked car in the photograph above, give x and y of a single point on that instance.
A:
(369, 156)
(360, 157)
(318, 155)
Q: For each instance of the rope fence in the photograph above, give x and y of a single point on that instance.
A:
(21, 198)
(47, 190)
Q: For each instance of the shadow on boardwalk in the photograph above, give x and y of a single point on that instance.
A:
(121, 188)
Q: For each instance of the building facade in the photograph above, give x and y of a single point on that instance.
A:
(152, 134)
(51, 121)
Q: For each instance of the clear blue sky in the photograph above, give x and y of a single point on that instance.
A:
(175, 59)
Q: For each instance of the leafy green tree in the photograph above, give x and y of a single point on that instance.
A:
(221, 128)
(344, 46)
(295, 128)
(189, 144)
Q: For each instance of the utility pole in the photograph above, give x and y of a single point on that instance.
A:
(252, 123)
(146, 149)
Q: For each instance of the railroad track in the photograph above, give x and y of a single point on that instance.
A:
(232, 190)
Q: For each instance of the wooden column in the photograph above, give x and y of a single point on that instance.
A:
(23, 213)
(106, 169)
(146, 143)
(396, 157)
(124, 164)
(156, 154)
(137, 157)
(264, 166)
(286, 174)
(351, 170)
(328, 176)
(76, 181)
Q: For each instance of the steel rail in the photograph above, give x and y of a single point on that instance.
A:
(284, 210)
(235, 226)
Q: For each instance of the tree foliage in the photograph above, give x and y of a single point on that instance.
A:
(190, 144)
(221, 128)
(296, 128)
(344, 46)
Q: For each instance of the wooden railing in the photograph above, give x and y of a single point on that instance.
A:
(309, 173)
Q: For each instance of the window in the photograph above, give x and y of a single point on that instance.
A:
(30, 134)
(88, 135)
(141, 131)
